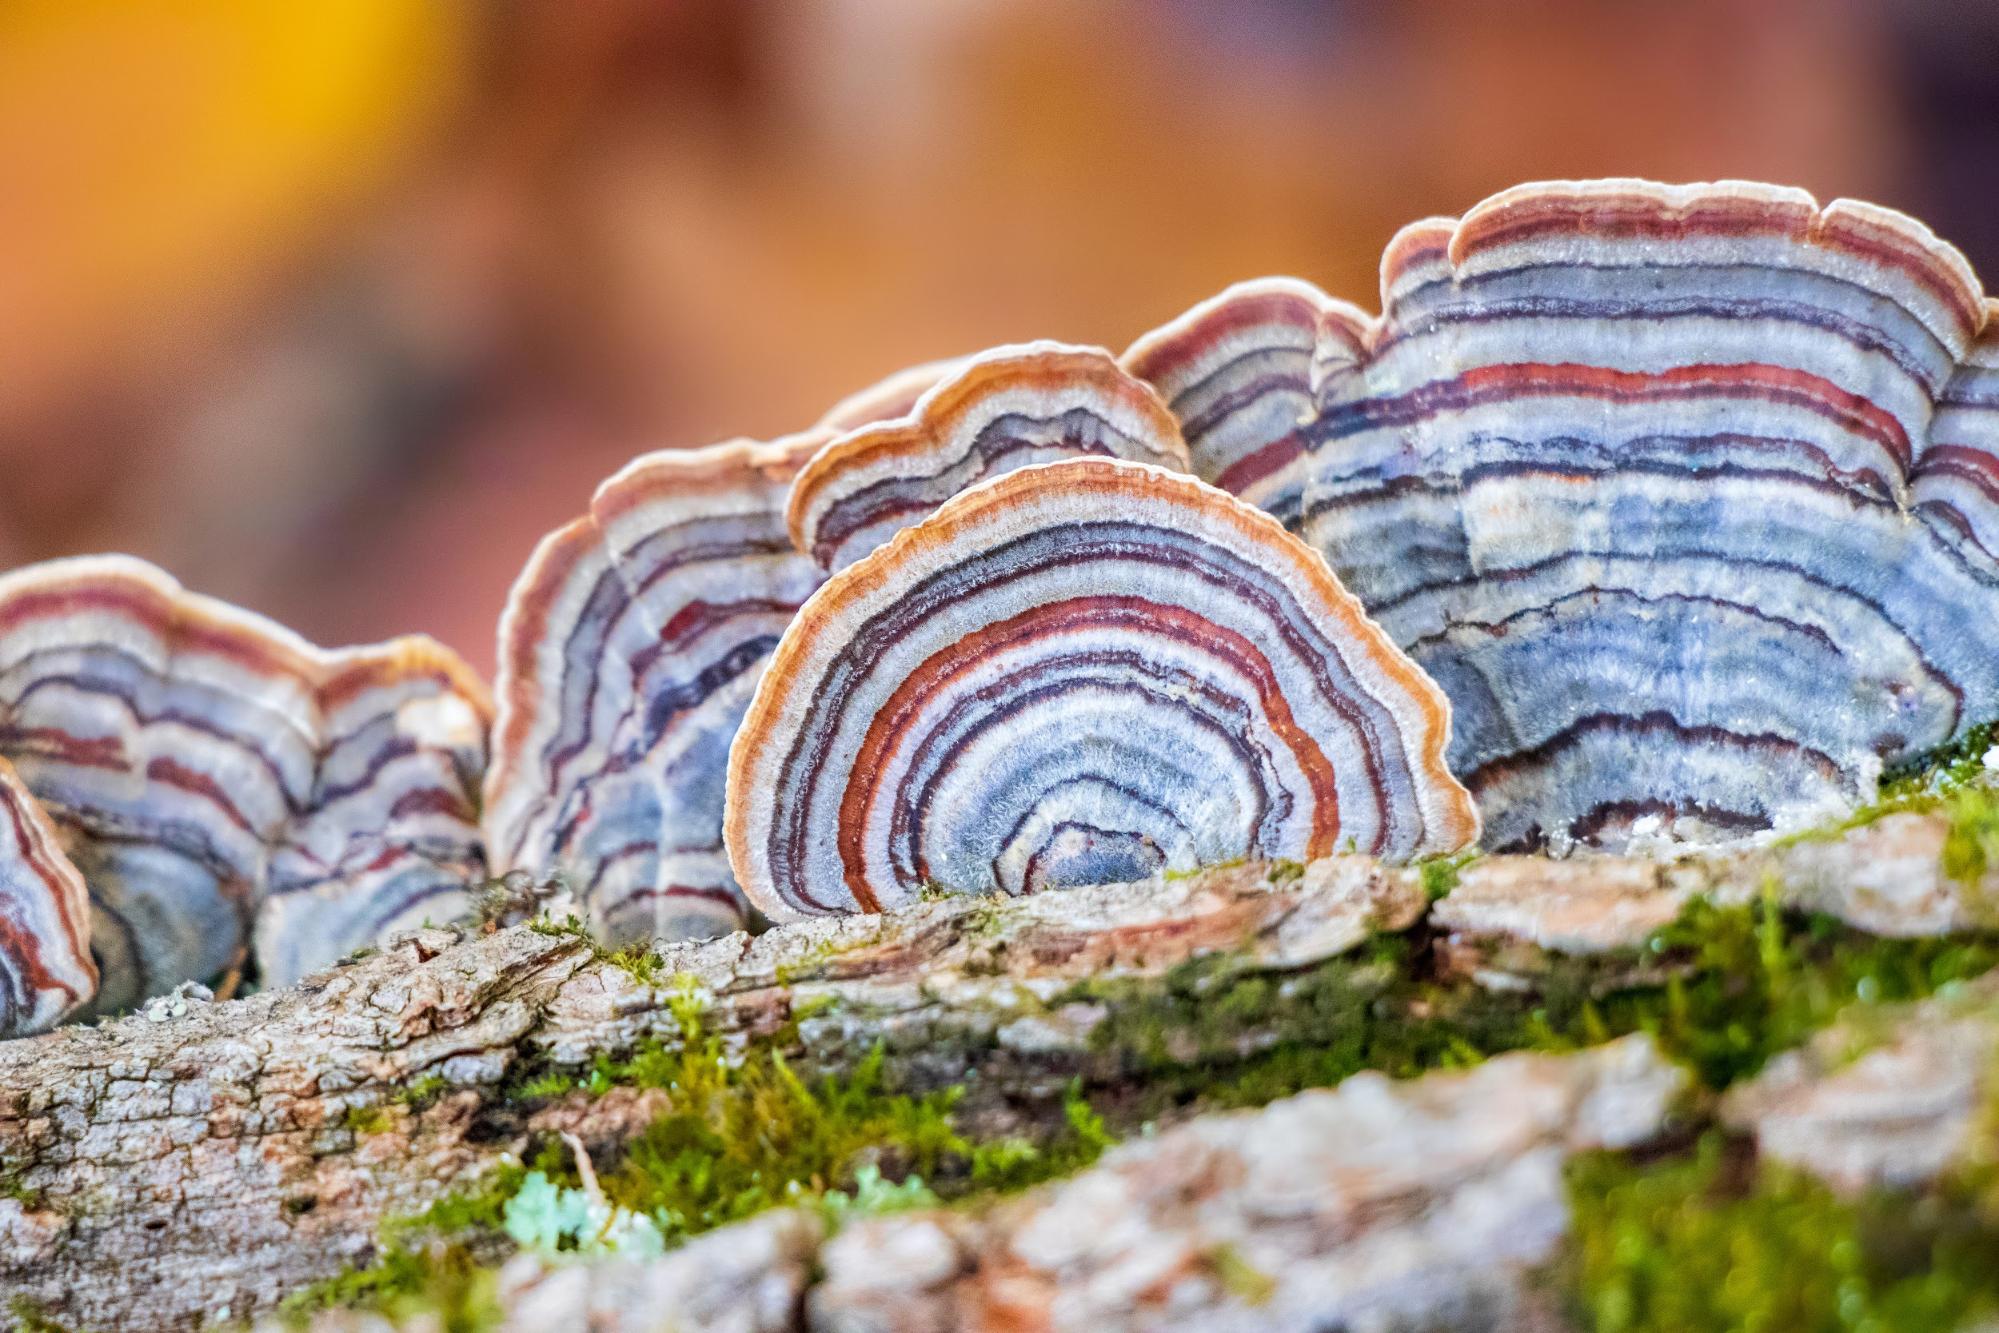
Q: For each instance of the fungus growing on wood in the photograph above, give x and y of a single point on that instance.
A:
(390, 838)
(191, 754)
(1080, 672)
(1238, 371)
(46, 971)
(1686, 496)
(1005, 409)
(628, 651)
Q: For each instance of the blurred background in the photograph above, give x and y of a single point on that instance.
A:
(334, 308)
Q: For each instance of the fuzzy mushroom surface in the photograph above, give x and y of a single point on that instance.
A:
(1686, 495)
(629, 649)
(1004, 409)
(46, 969)
(1080, 672)
(201, 761)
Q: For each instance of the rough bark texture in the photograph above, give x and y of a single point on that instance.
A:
(166, 1174)
(1420, 1205)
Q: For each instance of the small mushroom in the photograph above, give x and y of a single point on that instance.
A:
(1001, 410)
(1684, 494)
(46, 971)
(183, 746)
(628, 651)
(389, 840)
(1079, 672)
(1239, 371)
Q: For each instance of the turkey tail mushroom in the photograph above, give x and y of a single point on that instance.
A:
(389, 840)
(1080, 672)
(628, 651)
(1001, 410)
(185, 747)
(46, 970)
(629, 648)
(1685, 495)
(1238, 372)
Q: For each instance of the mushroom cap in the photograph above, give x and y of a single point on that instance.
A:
(1080, 671)
(1685, 494)
(1238, 371)
(390, 838)
(177, 742)
(1003, 409)
(628, 650)
(46, 971)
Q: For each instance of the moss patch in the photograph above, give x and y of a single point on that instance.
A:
(1711, 1240)
(1722, 989)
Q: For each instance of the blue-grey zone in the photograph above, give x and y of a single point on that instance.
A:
(1686, 497)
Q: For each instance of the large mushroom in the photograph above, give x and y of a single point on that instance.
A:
(203, 765)
(1003, 409)
(46, 970)
(1685, 495)
(1079, 672)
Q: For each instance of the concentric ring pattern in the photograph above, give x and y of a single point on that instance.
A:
(1080, 672)
(1686, 496)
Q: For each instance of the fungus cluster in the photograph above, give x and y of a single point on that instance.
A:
(213, 778)
(1637, 508)
(628, 651)
(1685, 496)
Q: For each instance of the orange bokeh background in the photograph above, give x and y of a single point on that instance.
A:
(334, 309)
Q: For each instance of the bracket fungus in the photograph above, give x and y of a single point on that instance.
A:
(1238, 371)
(204, 766)
(46, 970)
(1080, 672)
(1005, 409)
(628, 651)
(1687, 496)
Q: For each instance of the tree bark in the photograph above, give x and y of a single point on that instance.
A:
(165, 1175)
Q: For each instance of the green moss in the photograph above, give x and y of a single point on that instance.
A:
(424, 1263)
(638, 960)
(366, 1119)
(11, 1187)
(1951, 765)
(570, 927)
(1711, 1241)
(1722, 989)
(30, 1317)
(422, 1093)
(1748, 982)
(1003, 1166)
(442, 1279)
(1440, 873)
(1240, 1278)
(1972, 844)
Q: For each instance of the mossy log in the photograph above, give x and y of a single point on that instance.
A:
(196, 1169)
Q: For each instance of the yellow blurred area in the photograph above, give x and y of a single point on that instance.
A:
(334, 308)
(161, 160)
